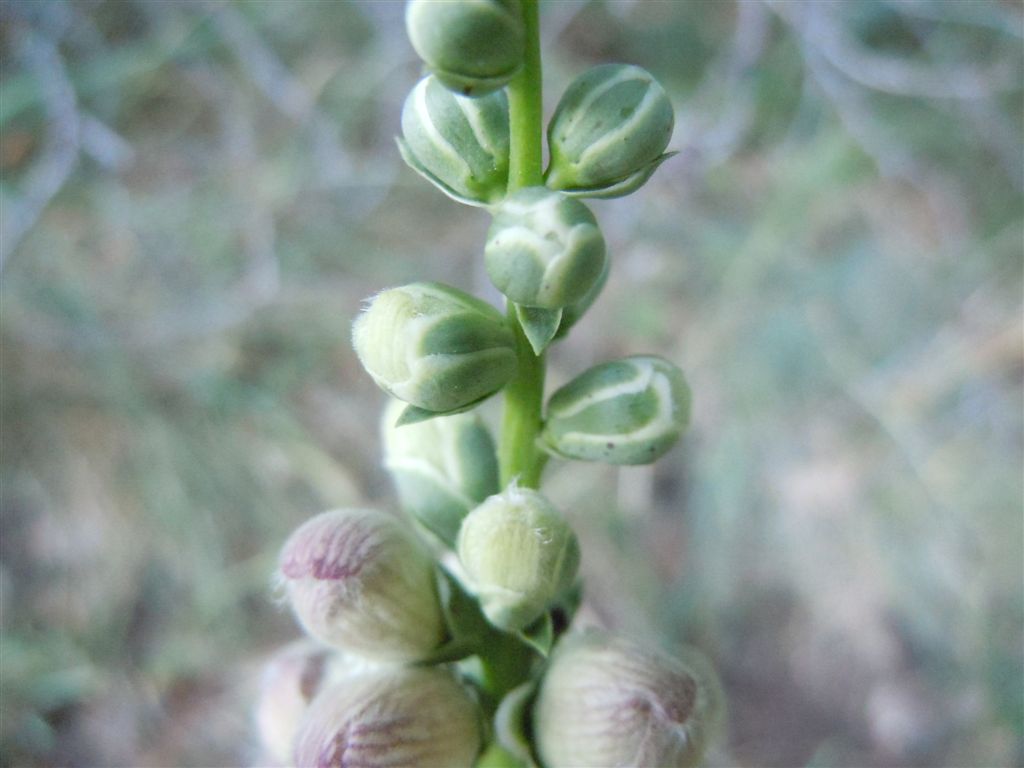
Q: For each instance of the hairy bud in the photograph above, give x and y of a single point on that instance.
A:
(360, 580)
(393, 717)
(608, 132)
(544, 249)
(473, 46)
(434, 346)
(291, 679)
(519, 554)
(442, 468)
(607, 702)
(628, 411)
(459, 144)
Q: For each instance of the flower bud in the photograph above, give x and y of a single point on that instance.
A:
(434, 346)
(291, 678)
(609, 131)
(457, 143)
(628, 411)
(442, 468)
(607, 702)
(572, 313)
(544, 249)
(393, 717)
(519, 554)
(473, 46)
(360, 580)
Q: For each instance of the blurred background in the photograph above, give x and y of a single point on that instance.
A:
(196, 196)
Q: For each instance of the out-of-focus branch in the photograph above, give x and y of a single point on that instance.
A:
(59, 154)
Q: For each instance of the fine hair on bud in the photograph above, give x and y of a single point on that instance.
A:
(392, 717)
(544, 249)
(459, 144)
(434, 346)
(628, 411)
(519, 554)
(360, 580)
(605, 702)
(609, 131)
(473, 46)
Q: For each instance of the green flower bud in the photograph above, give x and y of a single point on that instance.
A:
(473, 46)
(360, 580)
(608, 132)
(291, 678)
(392, 717)
(458, 144)
(519, 554)
(442, 468)
(544, 249)
(628, 411)
(434, 346)
(574, 312)
(607, 702)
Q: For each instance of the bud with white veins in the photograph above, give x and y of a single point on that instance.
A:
(459, 144)
(544, 249)
(360, 580)
(628, 411)
(434, 346)
(442, 467)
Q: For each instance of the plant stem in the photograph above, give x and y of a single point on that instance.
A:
(524, 395)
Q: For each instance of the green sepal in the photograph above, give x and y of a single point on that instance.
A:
(412, 162)
(540, 635)
(512, 722)
(467, 626)
(413, 414)
(539, 325)
(622, 187)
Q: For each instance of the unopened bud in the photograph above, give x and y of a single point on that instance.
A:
(628, 411)
(459, 144)
(442, 468)
(519, 554)
(609, 131)
(291, 679)
(572, 313)
(360, 580)
(434, 346)
(544, 249)
(392, 717)
(605, 702)
(473, 46)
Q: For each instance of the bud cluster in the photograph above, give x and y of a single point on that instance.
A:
(436, 649)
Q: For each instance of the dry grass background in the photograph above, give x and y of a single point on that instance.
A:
(195, 198)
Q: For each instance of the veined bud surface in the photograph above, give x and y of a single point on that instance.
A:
(360, 580)
(459, 144)
(607, 702)
(544, 249)
(629, 411)
(473, 46)
(434, 346)
(393, 717)
(291, 679)
(442, 468)
(519, 554)
(613, 123)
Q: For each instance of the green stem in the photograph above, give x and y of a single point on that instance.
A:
(524, 395)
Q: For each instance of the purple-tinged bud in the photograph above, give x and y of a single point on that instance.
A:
(292, 677)
(362, 581)
(607, 702)
(393, 717)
